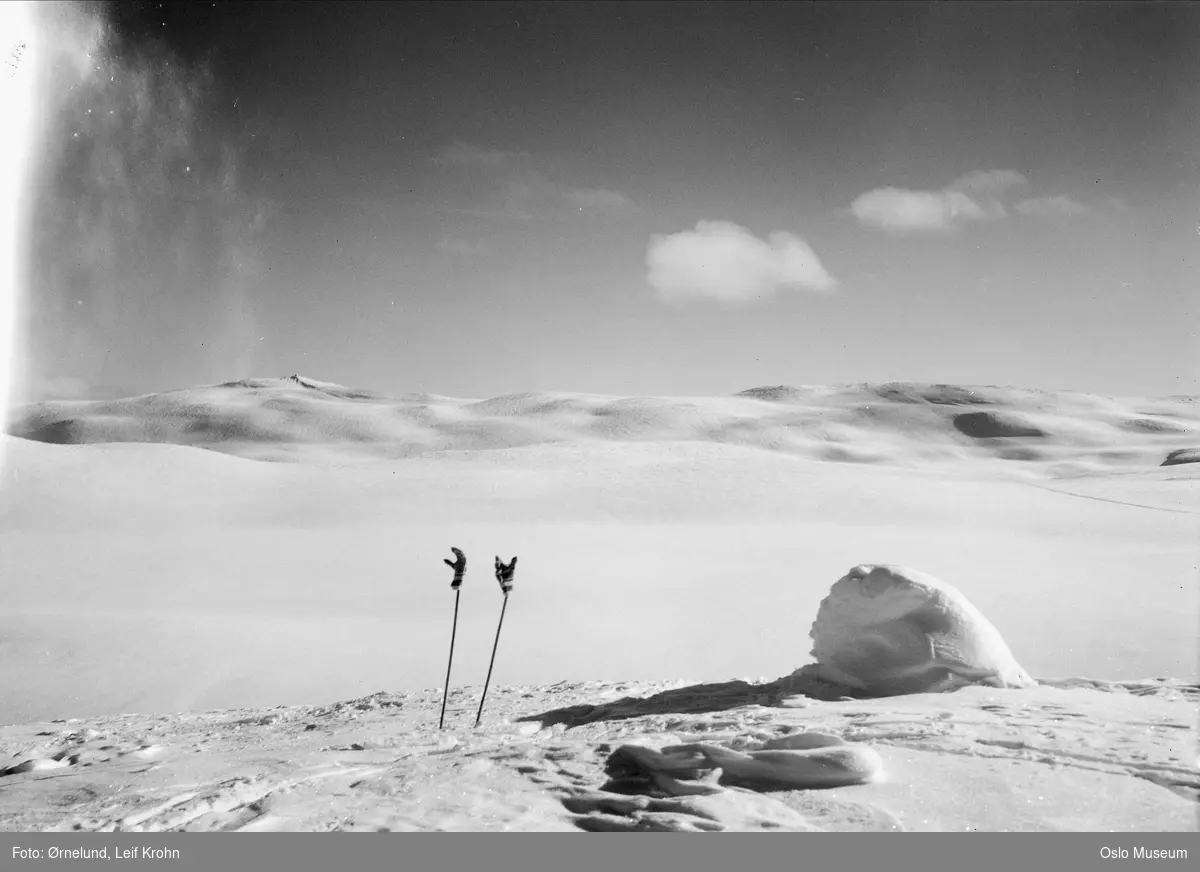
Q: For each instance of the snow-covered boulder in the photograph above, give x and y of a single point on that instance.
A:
(891, 630)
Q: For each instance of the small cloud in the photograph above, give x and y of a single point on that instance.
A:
(722, 261)
(897, 210)
(461, 247)
(972, 197)
(598, 200)
(1051, 207)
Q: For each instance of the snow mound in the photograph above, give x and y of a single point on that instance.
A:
(891, 630)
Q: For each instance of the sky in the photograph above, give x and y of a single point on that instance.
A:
(618, 198)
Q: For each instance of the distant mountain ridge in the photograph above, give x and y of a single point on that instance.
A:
(292, 417)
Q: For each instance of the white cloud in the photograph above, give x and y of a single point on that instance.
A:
(971, 197)
(898, 210)
(722, 261)
(1058, 206)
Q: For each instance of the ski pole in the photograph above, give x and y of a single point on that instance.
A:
(504, 575)
(459, 565)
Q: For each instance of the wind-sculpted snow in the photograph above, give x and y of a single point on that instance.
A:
(298, 418)
(229, 601)
(889, 630)
(598, 756)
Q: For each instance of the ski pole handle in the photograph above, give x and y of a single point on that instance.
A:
(459, 565)
(504, 575)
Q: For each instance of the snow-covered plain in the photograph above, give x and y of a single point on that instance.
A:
(659, 539)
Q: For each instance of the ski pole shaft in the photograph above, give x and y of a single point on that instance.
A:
(453, 633)
(495, 645)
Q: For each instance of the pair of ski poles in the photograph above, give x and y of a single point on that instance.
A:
(504, 575)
